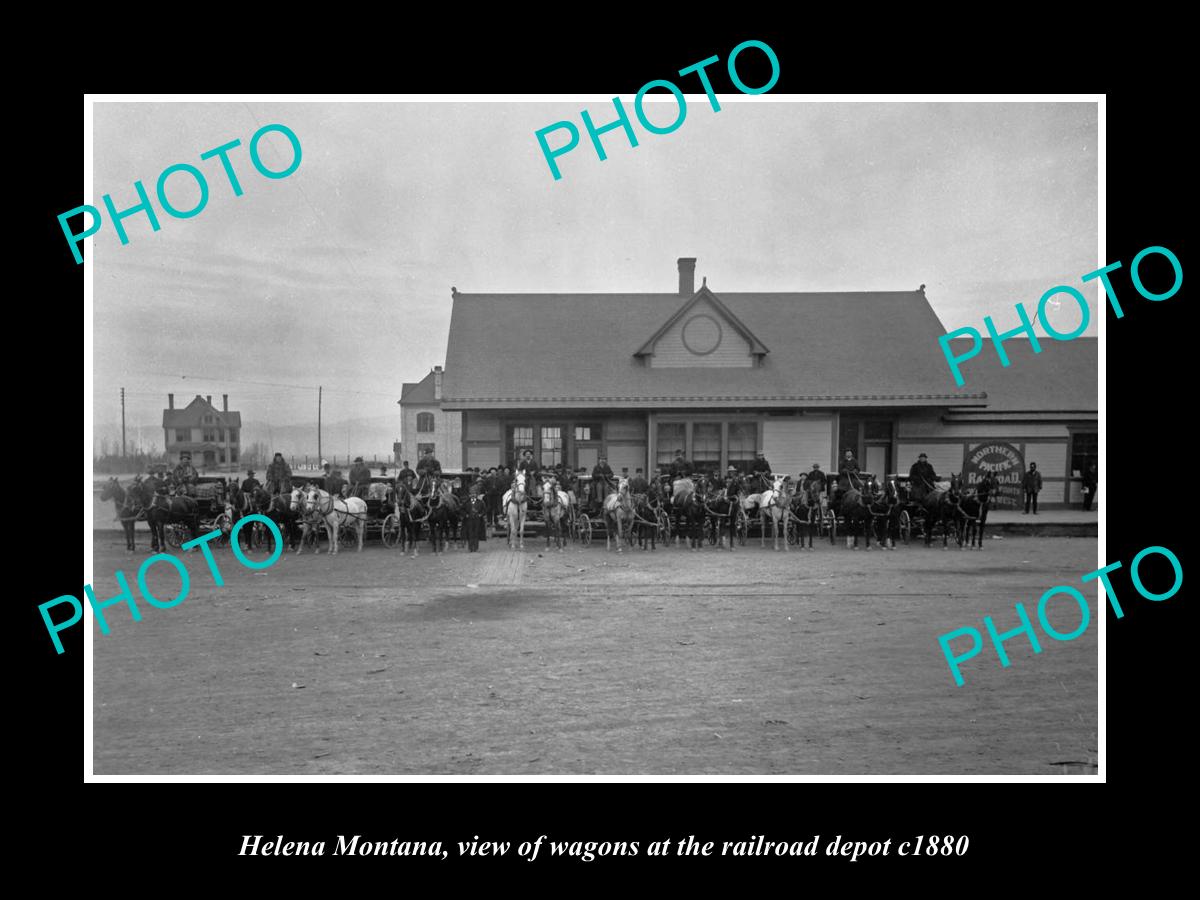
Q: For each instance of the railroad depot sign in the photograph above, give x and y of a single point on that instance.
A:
(1006, 462)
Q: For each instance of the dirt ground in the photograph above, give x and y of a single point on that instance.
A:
(498, 662)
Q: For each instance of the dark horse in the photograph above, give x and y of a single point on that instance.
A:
(974, 512)
(128, 504)
(806, 510)
(941, 507)
(854, 505)
(722, 507)
(443, 514)
(690, 508)
(885, 512)
(162, 510)
(645, 520)
(412, 514)
(279, 510)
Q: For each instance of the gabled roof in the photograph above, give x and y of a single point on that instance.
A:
(193, 415)
(876, 348)
(418, 391)
(757, 348)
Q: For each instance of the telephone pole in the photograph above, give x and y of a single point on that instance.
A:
(319, 390)
(122, 423)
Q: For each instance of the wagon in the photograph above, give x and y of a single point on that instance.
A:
(211, 512)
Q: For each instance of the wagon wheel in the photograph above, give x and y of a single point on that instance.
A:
(583, 526)
(743, 526)
(664, 525)
(225, 524)
(174, 535)
(905, 526)
(389, 531)
(831, 523)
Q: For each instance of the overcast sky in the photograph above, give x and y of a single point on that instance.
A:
(340, 274)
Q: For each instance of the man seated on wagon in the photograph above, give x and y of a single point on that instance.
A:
(279, 476)
(814, 478)
(921, 478)
(250, 484)
(848, 471)
(733, 485)
(185, 475)
(427, 469)
(638, 483)
(680, 467)
(405, 472)
(360, 478)
(602, 480)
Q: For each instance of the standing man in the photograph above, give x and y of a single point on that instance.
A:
(360, 478)
(638, 483)
(602, 477)
(1032, 483)
(405, 473)
(251, 483)
(185, 475)
(1090, 480)
(279, 476)
(473, 512)
(733, 483)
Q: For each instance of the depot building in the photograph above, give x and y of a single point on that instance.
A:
(722, 374)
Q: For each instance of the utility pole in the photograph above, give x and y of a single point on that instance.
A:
(122, 423)
(319, 390)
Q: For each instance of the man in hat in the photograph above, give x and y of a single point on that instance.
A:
(405, 475)
(680, 467)
(816, 476)
(474, 511)
(760, 469)
(733, 483)
(427, 469)
(251, 483)
(848, 471)
(279, 476)
(185, 475)
(921, 477)
(1032, 483)
(360, 478)
(602, 480)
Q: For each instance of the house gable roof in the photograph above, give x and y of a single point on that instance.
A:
(877, 348)
(193, 415)
(757, 348)
(418, 391)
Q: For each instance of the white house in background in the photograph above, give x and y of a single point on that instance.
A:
(424, 424)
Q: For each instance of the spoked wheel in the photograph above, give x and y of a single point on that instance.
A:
(224, 524)
(174, 535)
(743, 526)
(389, 531)
(664, 526)
(583, 529)
(905, 526)
(830, 522)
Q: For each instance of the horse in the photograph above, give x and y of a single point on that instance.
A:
(689, 503)
(941, 506)
(886, 505)
(974, 512)
(554, 506)
(618, 514)
(854, 505)
(129, 507)
(162, 509)
(722, 507)
(776, 505)
(645, 518)
(443, 514)
(278, 509)
(807, 510)
(516, 506)
(336, 513)
(412, 514)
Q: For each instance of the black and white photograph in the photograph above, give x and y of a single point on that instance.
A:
(481, 438)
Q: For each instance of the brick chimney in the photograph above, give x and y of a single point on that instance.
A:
(208, 399)
(170, 401)
(687, 276)
(224, 403)
(437, 383)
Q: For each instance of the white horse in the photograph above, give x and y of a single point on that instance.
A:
(516, 504)
(336, 513)
(618, 512)
(775, 504)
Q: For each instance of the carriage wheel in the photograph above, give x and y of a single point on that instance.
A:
(831, 524)
(584, 529)
(743, 526)
(174, 535)
(225, 524)
(664, 526)
(905, 526)
(389, 531)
